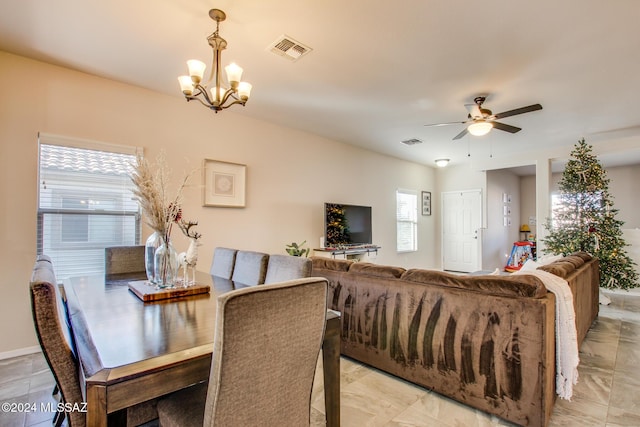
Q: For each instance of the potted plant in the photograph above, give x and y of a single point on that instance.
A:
(295, 249)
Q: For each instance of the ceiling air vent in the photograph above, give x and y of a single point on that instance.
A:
(288, 48)
(412, 141)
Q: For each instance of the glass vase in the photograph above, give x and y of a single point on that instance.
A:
(153, 243)
(166, 265)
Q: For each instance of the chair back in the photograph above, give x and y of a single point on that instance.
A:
(250, 268)
(224, 260)
(49, 319)
(266, 347)
(286, 267)
(122, 261)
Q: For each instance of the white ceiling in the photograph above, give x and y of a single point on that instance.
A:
(378, 71)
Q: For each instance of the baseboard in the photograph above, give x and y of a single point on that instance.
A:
(635, 292)
(19, 352)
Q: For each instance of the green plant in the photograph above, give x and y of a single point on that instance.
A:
(295, 249)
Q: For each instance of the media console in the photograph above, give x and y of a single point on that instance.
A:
(367, 253)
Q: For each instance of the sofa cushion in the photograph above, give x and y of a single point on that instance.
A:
(584, 255)
(559, 268)
(519, 286)
(330, 264)
(376, 270)
(575, 260)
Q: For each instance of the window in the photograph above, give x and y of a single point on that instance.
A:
(85, 203)
(407, 220)
(571, 210)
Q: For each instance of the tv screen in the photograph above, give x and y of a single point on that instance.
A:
(347, 224)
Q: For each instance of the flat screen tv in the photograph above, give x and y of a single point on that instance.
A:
(347, 225)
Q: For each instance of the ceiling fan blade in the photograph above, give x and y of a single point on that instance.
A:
(474, 110)
(506, 128)
(445, 124)
(517, 111)
(461, 134)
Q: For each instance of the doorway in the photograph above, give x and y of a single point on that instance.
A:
(461, 234)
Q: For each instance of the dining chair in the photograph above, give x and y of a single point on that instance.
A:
(223, 262)
(55, 337)
(265, 349)
(124, 261)
(250, 268)
(286, 267)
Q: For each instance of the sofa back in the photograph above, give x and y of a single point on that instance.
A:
(485, 341)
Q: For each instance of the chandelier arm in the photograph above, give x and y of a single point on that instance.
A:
(202, 93)
(190, 98)
(230, 93)
(237, 101)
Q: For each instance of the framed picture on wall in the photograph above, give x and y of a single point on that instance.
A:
(426, 203)
(224, 184)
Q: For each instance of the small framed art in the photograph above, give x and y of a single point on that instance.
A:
(426, 203)
(224, 184)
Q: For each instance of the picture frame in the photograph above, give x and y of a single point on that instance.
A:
(223, 184)
(426, 203)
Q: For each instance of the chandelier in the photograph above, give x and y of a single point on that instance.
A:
(220, 97)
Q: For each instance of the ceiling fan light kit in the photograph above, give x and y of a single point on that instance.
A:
(480, 128)
(442, 162)
(221, 97)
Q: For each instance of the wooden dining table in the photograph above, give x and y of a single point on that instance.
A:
(132, 351)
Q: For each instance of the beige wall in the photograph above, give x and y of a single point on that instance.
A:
(498, 238)
(290, 174)
(528, 202)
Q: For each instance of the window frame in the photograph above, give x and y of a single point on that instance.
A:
(411, 220)
(110, 210)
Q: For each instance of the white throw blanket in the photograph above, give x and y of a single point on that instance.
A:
(567, 358)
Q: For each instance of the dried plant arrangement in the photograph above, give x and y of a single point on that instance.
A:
(159, 207)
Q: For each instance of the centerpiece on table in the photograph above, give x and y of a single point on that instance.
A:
(161, 210)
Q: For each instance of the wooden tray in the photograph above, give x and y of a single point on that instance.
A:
(150, 293)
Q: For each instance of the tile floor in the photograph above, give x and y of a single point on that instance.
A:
(607, 394)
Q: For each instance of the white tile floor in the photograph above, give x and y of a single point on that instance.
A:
(607, 394)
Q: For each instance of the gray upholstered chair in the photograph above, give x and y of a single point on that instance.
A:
(265, 349)
(54, 335)
(250, 268)
(286, 267)
(223, 262)
(124, 262)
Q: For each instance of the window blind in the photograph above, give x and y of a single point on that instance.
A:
(407, 220)
(85, 203)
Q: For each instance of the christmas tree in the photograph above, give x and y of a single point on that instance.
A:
(337, 226)
(584, 219)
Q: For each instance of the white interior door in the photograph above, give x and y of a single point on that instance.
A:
(461, 234)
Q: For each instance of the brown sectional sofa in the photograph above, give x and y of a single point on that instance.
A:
(486, 341)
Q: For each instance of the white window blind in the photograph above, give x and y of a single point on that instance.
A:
(407, 220)
(85, 204)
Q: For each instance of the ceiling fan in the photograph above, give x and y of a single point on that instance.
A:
(481, 120)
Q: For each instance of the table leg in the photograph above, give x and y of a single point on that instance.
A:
(96, 406)
(331, 366)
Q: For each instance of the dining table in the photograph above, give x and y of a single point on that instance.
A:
(131, 351)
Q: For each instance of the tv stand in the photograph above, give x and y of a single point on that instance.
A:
(364, 253)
